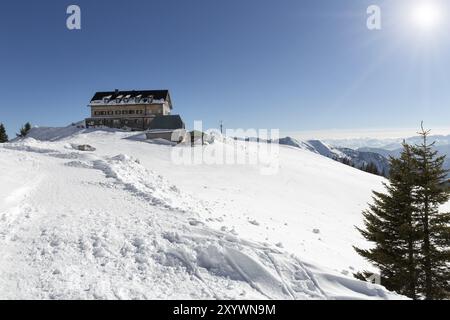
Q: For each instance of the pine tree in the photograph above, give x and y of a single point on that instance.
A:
(24, 130)
(435, 226)
(347, 162)
(390, 226)
(370, 168)
(385, 172)
(3, 135)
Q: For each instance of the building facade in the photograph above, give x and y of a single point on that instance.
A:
(133, 110)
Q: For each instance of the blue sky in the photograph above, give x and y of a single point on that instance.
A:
(296, 65)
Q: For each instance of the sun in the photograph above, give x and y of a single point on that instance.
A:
(426, 15)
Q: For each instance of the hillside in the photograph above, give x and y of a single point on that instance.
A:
(125, 222)
(359, 159)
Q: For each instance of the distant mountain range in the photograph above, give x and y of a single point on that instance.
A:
(393, 147)
(385, 144)
(360, 159)
(442, 149)
(374, 153)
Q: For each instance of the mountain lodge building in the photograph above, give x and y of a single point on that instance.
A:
(128, 109)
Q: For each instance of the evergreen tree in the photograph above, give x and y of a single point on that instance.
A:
(370, 168)
(435, 226)
(347, 162)
(375, 169)
(390, 226)
(24, 130)
(3, 135)
(385, 173)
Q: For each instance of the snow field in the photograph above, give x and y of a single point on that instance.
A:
(109, 225)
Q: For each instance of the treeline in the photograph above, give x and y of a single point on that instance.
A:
(22, 132)
(372, 168)
(369, 167)
(409, 233)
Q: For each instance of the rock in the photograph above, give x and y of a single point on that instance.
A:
(85, 147)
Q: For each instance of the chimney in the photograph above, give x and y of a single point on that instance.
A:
(116, 91)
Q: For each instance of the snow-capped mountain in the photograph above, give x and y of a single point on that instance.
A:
(363, 158)
(442, 149)
(126, 222)
(358, 158)
(385, 143)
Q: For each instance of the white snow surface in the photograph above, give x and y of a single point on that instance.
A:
(124, 222)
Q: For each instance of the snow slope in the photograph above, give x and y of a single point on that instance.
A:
(125, 222)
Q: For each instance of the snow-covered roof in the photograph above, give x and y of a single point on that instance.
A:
(154, 96)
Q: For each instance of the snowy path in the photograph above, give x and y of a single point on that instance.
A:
(83, 226)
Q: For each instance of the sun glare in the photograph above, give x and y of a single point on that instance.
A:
(426, 15)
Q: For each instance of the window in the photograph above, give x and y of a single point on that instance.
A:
(132, 112)
(117, 112)
(124, 112)
(110, 113)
